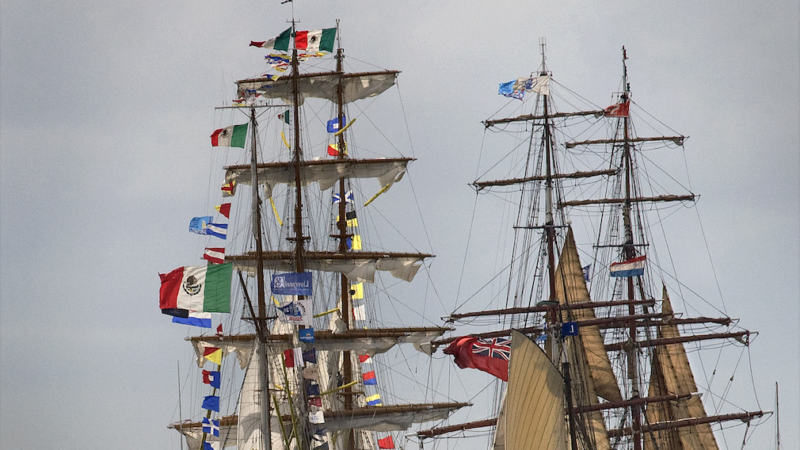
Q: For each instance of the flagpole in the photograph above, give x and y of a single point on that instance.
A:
(180, 412)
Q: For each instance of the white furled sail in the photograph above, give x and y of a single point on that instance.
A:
(355, 86)
(324, 172)
(251, 407)
(365, 342)
(357, 266)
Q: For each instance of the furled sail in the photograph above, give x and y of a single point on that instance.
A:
(249, 433)
(364, 342)
(355, 86)
(533, 412)
(671, 374)
(357, 266)
(325, 172)
(390, 417)
(571, 288)
(589, 361)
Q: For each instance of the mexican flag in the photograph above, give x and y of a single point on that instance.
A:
(315, 40)
(197, 288)
(233, 136)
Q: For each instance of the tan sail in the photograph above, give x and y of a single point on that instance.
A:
(571, 288)
(591, 369)
(533, 413)
(671, 374)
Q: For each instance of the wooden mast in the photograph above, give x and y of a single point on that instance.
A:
(550, 236)
(299, 239)
(341, 225)
(629, 252)
(260, 320)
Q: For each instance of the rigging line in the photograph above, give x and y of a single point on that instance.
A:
(752, 379)
(378, 129)
(653, 117)
(397, 300)
(500, 272)
(351, 57)
(466, 253)
(405, 120)
(391, 369)
(510, 153)
(589, 102)
(710, 260)
(641, 153)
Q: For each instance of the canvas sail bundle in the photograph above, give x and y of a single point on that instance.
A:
(356, 86)
(323, 172)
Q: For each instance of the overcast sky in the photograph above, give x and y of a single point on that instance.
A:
(105, 116)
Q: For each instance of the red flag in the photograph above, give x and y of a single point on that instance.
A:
(219, 330)
(333, 150)
(618, 110)
(224, 209)
(488, 355)
(257, 43)
(386, 442)
(213, 354)
(288, 356)
(315, 402)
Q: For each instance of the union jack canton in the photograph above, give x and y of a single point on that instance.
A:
(499, 348)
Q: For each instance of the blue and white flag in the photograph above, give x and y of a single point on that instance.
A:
(198, 224)
(211, 402)
(197, 319)
(569, 329)
(211, 445)
(334, 126)
(296, 312)
(211, 426)
(586, 270)
(219, 230)
(511, 90)
(306, 334)
(292, 284)
(348, 197)
(631, 268)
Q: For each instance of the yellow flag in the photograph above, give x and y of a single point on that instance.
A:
(213, 354)
(357, 291)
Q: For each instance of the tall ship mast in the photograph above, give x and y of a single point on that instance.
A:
(582, 343)
(307, 371)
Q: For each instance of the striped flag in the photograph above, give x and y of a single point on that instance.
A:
(215, 255)
(369, 378)
(219, 230)
(631, 268)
